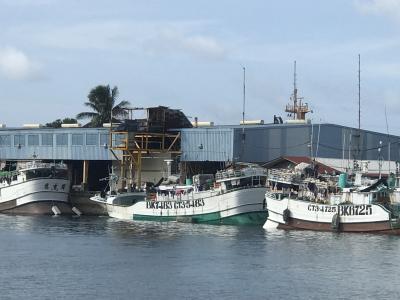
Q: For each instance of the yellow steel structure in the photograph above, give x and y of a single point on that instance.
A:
(134, 144)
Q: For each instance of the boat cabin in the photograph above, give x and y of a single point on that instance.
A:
(248, 177)
(35, 170)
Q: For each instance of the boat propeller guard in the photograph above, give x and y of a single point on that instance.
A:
(335, 222)
(286, 215)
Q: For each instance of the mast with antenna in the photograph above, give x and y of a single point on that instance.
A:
(294, 92)
(298, 110)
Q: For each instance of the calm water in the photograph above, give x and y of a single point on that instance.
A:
(102, 258)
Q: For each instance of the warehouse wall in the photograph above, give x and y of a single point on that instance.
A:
(264, 143)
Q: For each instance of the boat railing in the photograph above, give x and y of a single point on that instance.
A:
(278, 194)
(207, 193)
(228, 174)
(240, 173)
(270, 195)
(281, 175)
(320, 184)
(8, 174)
(245, 187)
(34, 164)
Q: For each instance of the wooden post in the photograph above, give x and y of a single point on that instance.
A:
(123, 178)
(131, 174)
(139, 169)
(85, 174)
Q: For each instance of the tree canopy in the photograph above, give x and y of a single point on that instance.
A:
(101, 100)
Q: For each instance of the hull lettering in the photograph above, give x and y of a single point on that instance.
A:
(174, 204)
(343, 210)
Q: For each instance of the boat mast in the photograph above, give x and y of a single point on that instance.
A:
(294, 93)
(359, 95)
(357, 157)
(244, 94)
(380, 159)
(243, 111)
(298, 109)
(388, 138)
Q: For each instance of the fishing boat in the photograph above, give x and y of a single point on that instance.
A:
(35, 188)
(235, 196)
(325, 204)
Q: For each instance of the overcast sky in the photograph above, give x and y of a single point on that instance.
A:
(189, 55)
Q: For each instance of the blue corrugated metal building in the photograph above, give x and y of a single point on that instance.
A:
(201, 147)
(80, 148)
(55, 143)
(263, 143)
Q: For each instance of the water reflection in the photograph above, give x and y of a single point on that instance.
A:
(100, 256)
(170, 230)
(53, 225)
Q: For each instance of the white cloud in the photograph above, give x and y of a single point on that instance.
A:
(14, 64)
(151, 38)
(176, 40)
(203, 45)
(390, 8)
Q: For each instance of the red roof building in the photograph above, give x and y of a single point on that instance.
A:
(292, 161)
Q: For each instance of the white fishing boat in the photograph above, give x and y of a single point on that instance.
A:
(294, 202)
(236, 196)
(35, 188)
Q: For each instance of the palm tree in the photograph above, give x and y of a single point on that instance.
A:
(102, 99)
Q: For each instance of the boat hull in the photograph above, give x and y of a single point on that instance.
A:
(36, 196)
(240, 207)
(40, 208)
(319, 217)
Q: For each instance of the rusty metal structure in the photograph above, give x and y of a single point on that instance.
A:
(156, 133)
(298, 109)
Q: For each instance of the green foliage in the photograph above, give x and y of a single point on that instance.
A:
(101, 100)
(69, 121)
(55, 124)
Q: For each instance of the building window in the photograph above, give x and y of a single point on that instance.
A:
(47, 139)
(119, 140)
(92, 139)
(5, 140)
(77, 139)
(62, 139)
(104, 139)
(33, 140)
(19, 140)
